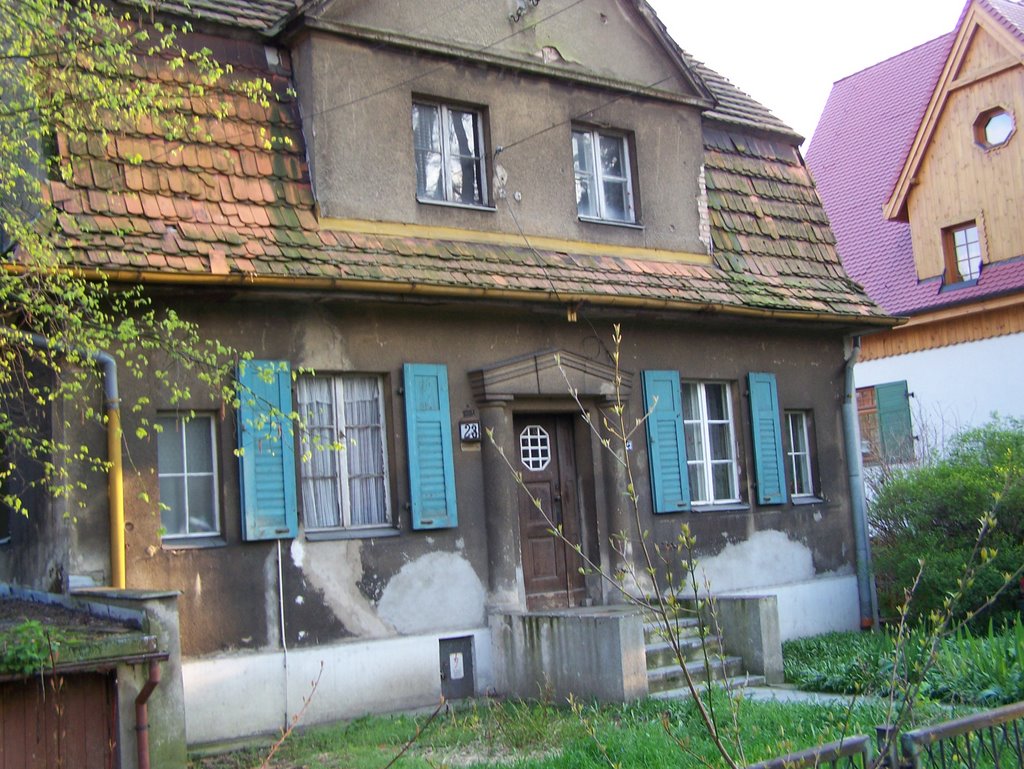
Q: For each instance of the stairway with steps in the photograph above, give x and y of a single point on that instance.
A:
(665, 679)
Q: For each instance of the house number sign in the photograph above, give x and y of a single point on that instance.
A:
(469, 432)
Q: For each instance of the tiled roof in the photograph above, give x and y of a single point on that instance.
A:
(231, 209)
(1010, 14)
(259, 15)
(856, 154)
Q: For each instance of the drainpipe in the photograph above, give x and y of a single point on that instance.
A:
(142, 714)
(115, 477)
(851, 425)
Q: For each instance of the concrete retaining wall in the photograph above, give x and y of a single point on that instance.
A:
(595, 654)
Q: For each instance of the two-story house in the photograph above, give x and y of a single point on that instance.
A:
(919, 164)
(461, 201)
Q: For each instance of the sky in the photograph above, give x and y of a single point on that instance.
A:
(787, 53)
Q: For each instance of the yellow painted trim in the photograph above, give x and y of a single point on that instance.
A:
(115, 499)
(403, 230)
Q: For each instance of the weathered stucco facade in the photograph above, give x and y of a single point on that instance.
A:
(718, 268)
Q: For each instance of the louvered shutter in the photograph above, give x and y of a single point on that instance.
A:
(429, 434)
(666, 448)
(769, 460)
(267, 443)
(895, 429)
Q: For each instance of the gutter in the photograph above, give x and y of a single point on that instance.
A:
(405, 288)
(858, 503)
(115, 474)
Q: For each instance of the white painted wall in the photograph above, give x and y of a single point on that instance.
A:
(770, 563)
(239, 695)
(955, 387)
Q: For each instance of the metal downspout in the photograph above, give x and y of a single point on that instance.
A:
(115, 475)
(142, 715)
(851, 425)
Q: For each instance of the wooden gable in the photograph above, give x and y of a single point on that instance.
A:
(607, 42)
(950, 178)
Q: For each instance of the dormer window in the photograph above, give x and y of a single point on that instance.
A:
(604, 179)
(993, 128)
(448, 143)
(962, 245)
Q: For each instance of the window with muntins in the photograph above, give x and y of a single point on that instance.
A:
(187, 470)
(710, 436)
(343, 468)
(449, 152)
(963, 253)
(604, 184)
(798, 454)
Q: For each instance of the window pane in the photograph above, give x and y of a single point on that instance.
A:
(612, 156)
(426, 129)
(365, 450)
(201, 508)
(321, 506)
(199, 446)
(616, 204)
(723, 479)
(169, 454)
(694, 442)
(582, 152)
(718, 407)
(691, 402)
(172, 505)
(462, 133)
(586, 201)
(465, 180)
(721, 445)
(698, 483)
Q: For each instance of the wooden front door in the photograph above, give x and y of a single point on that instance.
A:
(547, 462)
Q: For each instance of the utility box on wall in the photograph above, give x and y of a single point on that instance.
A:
(457, 674)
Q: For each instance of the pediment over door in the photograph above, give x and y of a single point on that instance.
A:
(550, 374)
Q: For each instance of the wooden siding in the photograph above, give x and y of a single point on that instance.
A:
(958, 180)
(943, 329)
(62, 721)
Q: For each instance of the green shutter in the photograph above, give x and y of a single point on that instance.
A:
(267, 443)
(666, 447)
(769, 461)
(896, 433)
(429, 434)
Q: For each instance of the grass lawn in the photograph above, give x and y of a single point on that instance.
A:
(644, 735)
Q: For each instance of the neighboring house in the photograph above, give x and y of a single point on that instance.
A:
(465, 192)
(919, 162)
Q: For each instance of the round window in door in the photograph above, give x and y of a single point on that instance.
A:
(535, 447)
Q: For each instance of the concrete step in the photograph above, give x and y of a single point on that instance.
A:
(654, 631)
(671, 676)
(731, 683)
(660, 653)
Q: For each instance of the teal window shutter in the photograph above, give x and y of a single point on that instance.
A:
(429, 434)
(896, 433)
(267, 443)
(769, 461)
(666, 448)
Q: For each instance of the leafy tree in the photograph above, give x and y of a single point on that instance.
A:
(930, 513)
(70, 71)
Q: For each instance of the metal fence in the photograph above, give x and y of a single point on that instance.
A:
(990, 740)
(851, 753)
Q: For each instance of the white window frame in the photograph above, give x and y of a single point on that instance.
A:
(444, 112)
(798, 453)
(598, 176)
(704, 465)
(966, 258)
(173, 425)
(335, 443)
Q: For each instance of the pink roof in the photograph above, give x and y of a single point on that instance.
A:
(858, 151)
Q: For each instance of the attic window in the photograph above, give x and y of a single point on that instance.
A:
(962, 246)
(994, 127)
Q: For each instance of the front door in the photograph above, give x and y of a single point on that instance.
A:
(547, 462)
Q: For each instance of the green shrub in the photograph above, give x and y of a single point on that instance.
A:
(984, 669)
(931, 512)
